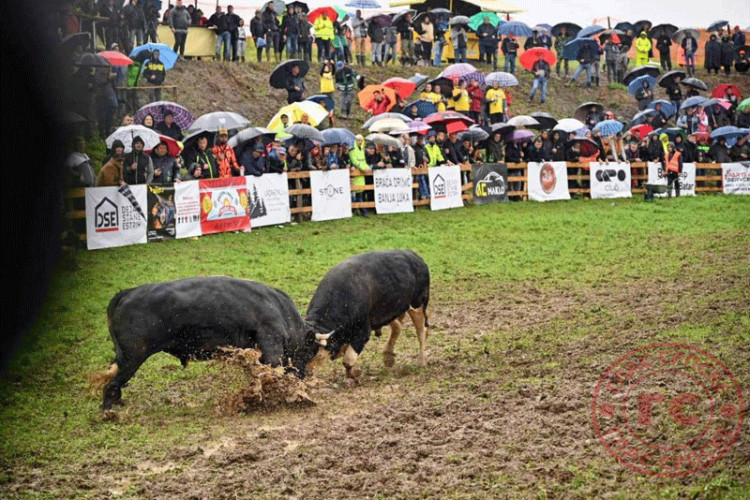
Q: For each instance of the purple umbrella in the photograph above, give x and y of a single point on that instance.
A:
(460, 70)
(182, 117)
(522, 135)
(380, 20)
(415, 127)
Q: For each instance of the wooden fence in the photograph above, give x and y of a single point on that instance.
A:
(708, 183)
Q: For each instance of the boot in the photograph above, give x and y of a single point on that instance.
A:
(597, 81)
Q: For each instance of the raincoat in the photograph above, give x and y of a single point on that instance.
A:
(642, 47)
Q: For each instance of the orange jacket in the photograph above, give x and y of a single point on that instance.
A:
(673, 163)
(228, 165)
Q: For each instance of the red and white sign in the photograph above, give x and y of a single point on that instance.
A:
(224, 205)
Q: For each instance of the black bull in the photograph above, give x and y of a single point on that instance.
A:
(367, 292)
(191, 318)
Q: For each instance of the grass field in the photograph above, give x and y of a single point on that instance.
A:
(530, 303)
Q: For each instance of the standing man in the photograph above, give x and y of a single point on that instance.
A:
(136, 22)
(642, 48)
(487, 35)
(179, 21)
(611, 53)
(690, 46)
(258, 32)
(585, 60)
(441, 28)
(560, 41)
(510, 49)
(359, 26)
(154, 73)
(151, 15)
(168, 127)
(225, 156)
(290, 30)
(541, 71)
(346, 80)
(738, 38)
(218, 23)
(324, 36)
(495, 96)
(375, 33)
(406, 32)
(138, 168)
(273, 34)
(663, 44)
(233, 27)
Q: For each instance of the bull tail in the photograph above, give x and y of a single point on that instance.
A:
(424, 309)
(99, 380)
(110, 321)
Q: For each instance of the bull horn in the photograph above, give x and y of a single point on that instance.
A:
(321, 338)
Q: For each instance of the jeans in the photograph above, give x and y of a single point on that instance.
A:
(390, 51)
(424, 186)
(377, 52)
(179, 42)
(460, 54)
(690, 62)
(510, 64)
(581, 67)
(612, 74)
(292, 46)
(226, 39)
(438, 60)
(535, 86)
(138, 35)
(359, 197)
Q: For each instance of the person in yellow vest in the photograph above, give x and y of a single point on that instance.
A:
(323, 35)
(440, 103)
(495, 97)
(672, 167)
(461, 100)
(358, 167)
(326, 79)
(642, 48)
(428, 95)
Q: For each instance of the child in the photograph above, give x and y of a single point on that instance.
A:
(326, 79)
(241, 40)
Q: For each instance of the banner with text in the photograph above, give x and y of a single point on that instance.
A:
(490, 183)
(687, 179)
(610, 180)
(161, 213)
(445, 187)
(188, 209)
(736, 177)
(224, 205)
(548, 181)
(115, 216)
(331, 194)
(393, 192)
(269, 199)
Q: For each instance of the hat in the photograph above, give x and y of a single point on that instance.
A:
(281, 151)
(259, 147)
(223, 131)
(114, 45)
(339, 65)
(671, 144)
(137, 138)
(117, 144)
(431, 133)
(369, 144)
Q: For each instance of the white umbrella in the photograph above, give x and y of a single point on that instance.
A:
(383, 116)
(212, 122)
(569, 125)
(385, 140)
(128, 133)
(522, 121)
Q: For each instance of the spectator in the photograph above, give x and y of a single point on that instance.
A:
(713, 55)
(441, 28)
(360, 28)
(272, 31)
(672, 166)
(379, 104)
(323, 36)
(586, 59)
(166, 169)
(148, 121)
(533, 40)
(241, 41)
(487, 35)
(277, 163)
(305, 37)
(151, 15)
(406, 32)
(644, 96)
(642, 48)
(106, 99)
(434, 155)
(154, 73)
(391, 41)
(193, 15)
(742, 63)
(727, 54)
(495, 149)
(719, 152)
(136, 22)
(611, 54)
(440, 103)
(738, 38)
(253, 161)
(426, 38)
(220, 24)
(690, 47)
(358, 167)
(258, 32)
(200, 161)
(674, 93)
(659, 118)
(458, 37)
(477, 99)
(233, 28)
(741, 149)
(179, 20)
(558, 146)
(509, 48)
(138, 168)
(295, 86)
(407, 151)
(111, 173)
(290, 30)
(225, 156)
(460, 99)
(326, 79)
(375, 33)
(536, 153)
(560, 42)
(346, 79)
(541, 69)
(664, 45)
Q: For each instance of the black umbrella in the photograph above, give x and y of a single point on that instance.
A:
(248, 136)
(546, 120)
(302, 5)
(446, 85)
(474, 134)
(76, 40)
(717, 25)
(608, 33)
(669, 29)
(397, 18)
(585, 108)
(505, 129)
(572, 28)
(667, 78)
(642, 25)
(696, 83)
(280, 73)
(625, 26)
(640, 71)
(382, 21)
(92, 61)
(441, 12)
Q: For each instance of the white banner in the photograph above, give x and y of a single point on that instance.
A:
(115, 216)
(393, 192)
(610, 180)
(331, 194)
(188, 209)
(269, 199)
(736, 178)
(547, 181)
(445, 187)
(687, 179)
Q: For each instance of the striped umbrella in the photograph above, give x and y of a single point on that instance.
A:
(458, 70)
(515, 28)
(637, 84)
(182, 117)
(608, 127)
(503, 79)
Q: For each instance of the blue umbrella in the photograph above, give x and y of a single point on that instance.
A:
(166, 55)
(339, 136)
(324, 100)
(574, 47)
(636, 84)
(691, 102)
(590, 31)
(515, 28)
(424, 108)
(504, 79)
(608, 127)
(716, 25)
(362, 4)
(641, 117)
(546, 27)
(624, 26)
(671, 133)
(666, 107)
(729, 131)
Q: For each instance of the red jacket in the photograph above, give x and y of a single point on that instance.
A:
(476, 95)
(378, 108)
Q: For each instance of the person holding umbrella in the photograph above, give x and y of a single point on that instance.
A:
(459, 37)
(323, 35)
(138, 168)
(166, 169)
(671, 168)
(560, 41)
(487, 35)
(200, 161)
(586, 59)
(644, 96)
(495, 97)
(295, 85)
(663, 45)
(379, 104)
(642, 48)
(541, 69)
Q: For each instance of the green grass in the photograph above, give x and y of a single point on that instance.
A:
(49, 422)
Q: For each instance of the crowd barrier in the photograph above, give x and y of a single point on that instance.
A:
(293, 195)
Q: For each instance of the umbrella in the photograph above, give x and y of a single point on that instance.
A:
(643, 128)
(167, 56)
(338, 136)
(529, 57)
(634, 73)
(313, 15)
(418, 79)
(446, 85)
(717, 25)
(193, 137)
(367, 95)
(522, 135)
(116, 58)
(545, 28)
(637, 83)
(414, 127)
(642, 25)
(669, 29)
(81, 39)
(343, 15)
(515, 28)
(362, 4)
(388, 125)
(588, 147)
(458, 70)
(691, 102)
(247, 137)
(729, 132)
(447, 116)
(174, 147)
(608, 127)
(212, 122)
(572, 29)
(584, 109)
(641, 117)
(301, 5)
(128, 133)
(696, 83)
(281, 72)
(478, 18)
(424, 108)
(504, 79)
(441, 12)
(324, 100)
(744, 105)
(474, 134)
(721, 90)
(668, 78)
(278, 6)
(624, 26)
(679, 35)
(459, 20)
(574, 47)
(671, 133)
(397, 18)
(316, 114)
(546, 120)
(667, 107)
(380, 20)
(503, 128)
(403, 87)
(724, 103)
(479, 77)
(522, 121)
(614, 33)
(92, 61)
(385, 140)
(302, 131)
(592, 30)
(383, 116)
(182, 117)
(569, 125)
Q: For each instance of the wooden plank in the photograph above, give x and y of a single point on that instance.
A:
(363, 204)
(299, 210)
(76, 214)
(76, 193)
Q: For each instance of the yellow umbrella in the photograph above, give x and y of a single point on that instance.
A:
(388, 125)
(315, 112)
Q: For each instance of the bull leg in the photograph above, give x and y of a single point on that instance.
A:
(389, 356)
(113, 390)
(350, 360)
(418, 318)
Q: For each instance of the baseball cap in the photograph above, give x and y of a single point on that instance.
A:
(281, 151)
(223, 131)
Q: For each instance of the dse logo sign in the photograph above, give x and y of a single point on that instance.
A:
(106, 216)
(439, 187)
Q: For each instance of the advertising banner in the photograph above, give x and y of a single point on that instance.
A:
(547, 181)
(224, 205)
(736, 177)
(188, 209)
(161, 213)
(445, 187)
(331, 194)
(687, 179)
(393, 191)
(269, 199)
(115, 216)
(490, 183)
(611, 180)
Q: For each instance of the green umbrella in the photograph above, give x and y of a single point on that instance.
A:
(478, 19)
(744, 105)
(342, 14)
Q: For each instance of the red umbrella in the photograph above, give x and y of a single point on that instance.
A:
(332, 14)
(403, 87)
(455, 126)
(448, 116)
(721, 90)
(529, 57)
(644, 129)
(116, 58)
(174, 148)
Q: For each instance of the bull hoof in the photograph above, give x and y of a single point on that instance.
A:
(354, 372)
(421, 361)
(389, 359)
(110, 416)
